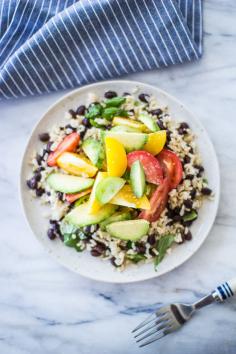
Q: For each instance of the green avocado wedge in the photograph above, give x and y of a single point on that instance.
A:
(108, 188)
(68, 184)
(130, 141)
(119, 216)
(149, 122)
(137, 179)
(79, 216)
(131, 230)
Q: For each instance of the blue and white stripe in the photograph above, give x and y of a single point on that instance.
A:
(224, 291)
(50, 45)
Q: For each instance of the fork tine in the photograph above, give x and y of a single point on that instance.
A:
(155, 330)
(149, 319)
(155, 322)
(151, 340)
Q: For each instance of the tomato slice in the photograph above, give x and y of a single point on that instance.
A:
(68, 144)
(158, 202)
(172, 167)
(152, 168)
(71, 198)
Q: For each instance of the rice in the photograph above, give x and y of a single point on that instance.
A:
(189, 192)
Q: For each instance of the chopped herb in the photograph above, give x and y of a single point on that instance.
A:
(192, 215)
(163, 245)
(135, 258)
(71, 240)
(94, 111)
(110, 112)
(115, 102)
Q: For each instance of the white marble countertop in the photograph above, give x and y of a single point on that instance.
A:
(47, 309)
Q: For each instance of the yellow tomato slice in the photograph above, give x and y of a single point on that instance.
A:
(129, 123)
(156, 142)
(125, 197)
(116, 157)
(93, 204)
(76, 164)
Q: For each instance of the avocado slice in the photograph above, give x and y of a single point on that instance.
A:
(137, 179)
(119, 216)
(131, 141)
(68, 184)
(95, 151)
(131, 230)
(79, 216)
(149, 122)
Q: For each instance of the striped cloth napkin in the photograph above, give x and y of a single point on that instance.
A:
(50, 45)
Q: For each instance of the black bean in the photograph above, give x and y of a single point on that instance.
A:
(37, 176)
(113, 262)
(189, 176)
(177, 210)
(200, 168)
(52, 221)
(191, 150)
(168, 135)
(143, 96)
(110, 94)
(72, 113)
(51, 234)
(184, 125)
(95, 253)
(86, 122)
(44, 137)
(39, 159)
(126, 94)
(56, 227)
(48, 193)
(39, 192)
(100, 247)
(193, 193)
(160, 124)
(151, 240)
(140, 247)
(188, 236)
(39, 169)
(32, 183)
(82, 134)
(177, 218)
(60, 196)
(48, 147)
(187, 159)
(188, 203)
(156, 112)
(81, 110)
(123, 247)
(206, 191)
(132, 111)
(187, 223)
(170, 223)
(170, 214)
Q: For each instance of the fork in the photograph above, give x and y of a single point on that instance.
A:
(169, 318)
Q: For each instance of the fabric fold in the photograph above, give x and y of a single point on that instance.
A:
(52, 45)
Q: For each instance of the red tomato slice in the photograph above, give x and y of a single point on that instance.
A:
(158, 202)
(71, 198)
(152, 168)
(172, 167)
(68, 144)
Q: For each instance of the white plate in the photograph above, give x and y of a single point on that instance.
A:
(83, 263)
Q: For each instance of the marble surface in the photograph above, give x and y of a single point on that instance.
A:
(46, 309)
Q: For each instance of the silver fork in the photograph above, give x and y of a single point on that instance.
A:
(169, 318)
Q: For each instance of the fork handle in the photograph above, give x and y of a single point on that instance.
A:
(225, 290)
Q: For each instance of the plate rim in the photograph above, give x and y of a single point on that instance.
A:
(88, 87)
